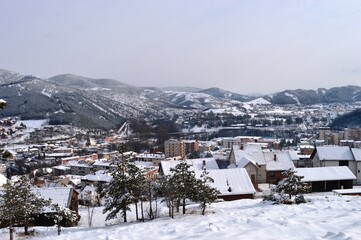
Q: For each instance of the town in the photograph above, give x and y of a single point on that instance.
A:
(245, 151)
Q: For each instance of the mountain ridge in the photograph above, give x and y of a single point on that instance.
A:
(106, 103)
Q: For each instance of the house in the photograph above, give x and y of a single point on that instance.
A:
(80, 168)
(327, 178)
(332, 156)
(64, 196)
(249, 156)
(94, 179)
(276, 163)
(196, 164)
(103, 165)
(154, 158)
(356, 152)
(233, 184)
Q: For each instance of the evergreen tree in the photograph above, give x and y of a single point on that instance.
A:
(169, 192)
(62, 214)
(19, 205)
(184, 182)
(121, 189)
(205, 193)
(289, 189)
(32, 205)
(10, 203)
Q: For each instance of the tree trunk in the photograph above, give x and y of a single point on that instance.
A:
(142, 210)
(125, 213)
(136, 212)
(184, 206)
(59, 227)
(156, 208)
(203, 208)
(178, 203)
(172, 205)
(150, 205)
(26, 229)
(11, 231)
(169, 208)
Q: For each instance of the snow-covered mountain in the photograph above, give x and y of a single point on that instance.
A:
(95, 102)
(259, 101)
(321, 95)
(107, 103)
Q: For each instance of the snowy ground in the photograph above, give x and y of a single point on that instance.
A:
(325, 216)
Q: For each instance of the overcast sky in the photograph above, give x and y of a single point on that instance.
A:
(242, 46)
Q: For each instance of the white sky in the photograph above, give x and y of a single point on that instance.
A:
(243, 46)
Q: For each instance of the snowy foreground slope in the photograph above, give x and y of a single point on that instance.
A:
(325, 217)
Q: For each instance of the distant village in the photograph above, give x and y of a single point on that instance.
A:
(73, 161)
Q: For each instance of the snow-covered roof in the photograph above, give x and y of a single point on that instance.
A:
(61, 167)
(87, 190)
(251, 152)
(150, 156)
(334, 153)
(97, 178)
(294, 155)
(196, 164)
(103, 163)
(278, 160)
(59, 195)
(230, 181)
(356, 153)
(325, 174)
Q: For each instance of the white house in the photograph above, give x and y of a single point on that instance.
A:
(332, 156)
(327, 178)
(232, 184)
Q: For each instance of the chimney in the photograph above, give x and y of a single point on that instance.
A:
(275, 157)
(241, 146)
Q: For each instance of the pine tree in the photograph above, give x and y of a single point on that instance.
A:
(62, 214)
(169, 192)
(205, 193)
(10, 203)
(32, 205)
(289, 189)
(19, 205)
(121, 189)
(184, 181)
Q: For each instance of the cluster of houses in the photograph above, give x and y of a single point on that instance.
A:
(240, 168)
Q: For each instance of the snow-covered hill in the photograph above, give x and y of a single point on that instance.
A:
(325, 216)
(259, 101)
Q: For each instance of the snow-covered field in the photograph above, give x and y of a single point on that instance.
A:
(325, 216)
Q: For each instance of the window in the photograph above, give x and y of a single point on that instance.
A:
(343, 163)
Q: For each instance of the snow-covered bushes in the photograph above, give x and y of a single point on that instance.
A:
(289, 190)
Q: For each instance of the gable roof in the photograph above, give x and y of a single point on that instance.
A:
(338, 153)
(59, 195)
(294, 155)
(278, 160)
(236, 180)
(356, 153)
(252, 152)
(196, 164)
(325, 174)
